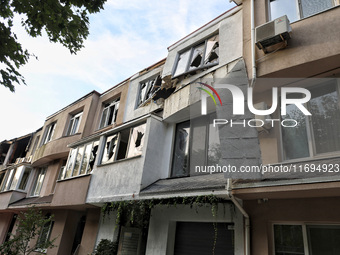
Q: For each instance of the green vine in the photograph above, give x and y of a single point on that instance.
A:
(136, 213)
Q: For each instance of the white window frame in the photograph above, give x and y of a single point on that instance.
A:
(63, 169)
(304, 232)
(298, 9)
(73, 127)
(48, 236)
(150, 90)
(48, 134)
(39, 172)
(191, 52)
(310, 136)
(108, 107)
(116, 150)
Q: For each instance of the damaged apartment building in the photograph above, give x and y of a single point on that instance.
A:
(140, 144)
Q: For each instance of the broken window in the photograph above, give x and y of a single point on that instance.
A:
(48, 133)
(180, 165)
(125, 144)
(200, 56)
(109, 114)
(148, 88)
(74, 124)
(197, 143)
(110, 148)
(80, 161)
(136, 141)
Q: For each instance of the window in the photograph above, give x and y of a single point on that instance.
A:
(38, 182)
(15, 179)
(48, 133)
(74, 124)
(44, 235)
(147, 89)
(316, 134)
(80, 161)
(307, 239)
(200, 56)
(125, 144)
(298, 9)
(197, 143)
(109, 114)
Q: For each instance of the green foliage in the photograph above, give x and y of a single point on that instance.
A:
(65, 22)
(30, 225)
(137, 212)
(106, 247)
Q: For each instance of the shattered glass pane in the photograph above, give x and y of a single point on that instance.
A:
(110, 148)
(143, 88)
(86, 159)
(136, 141)
(78, 160)
(180, 165)
(211, 52)
(93, 156)
(70, 161)
(182, 63)
(197, 55)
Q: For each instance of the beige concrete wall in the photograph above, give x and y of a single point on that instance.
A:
(50, 178)
(90, 232)
(5, 221)
(313, 49)
(57, 147)
(71, 191)
(263, 215)
(119, 92)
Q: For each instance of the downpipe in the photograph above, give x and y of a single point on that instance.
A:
(244, 213)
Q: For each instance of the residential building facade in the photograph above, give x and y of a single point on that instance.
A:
(144, 146)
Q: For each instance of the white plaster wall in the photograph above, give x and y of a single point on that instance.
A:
(107, 228)
(162, 227)
(124, 179)
(158, 152)
(131, 112)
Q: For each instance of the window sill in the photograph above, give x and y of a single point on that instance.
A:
(13, 190)
(317, 157)
(193, 71)
(74, 177)
(120, 160)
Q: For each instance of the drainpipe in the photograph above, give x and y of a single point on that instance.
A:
(252, 41)
(244, 213)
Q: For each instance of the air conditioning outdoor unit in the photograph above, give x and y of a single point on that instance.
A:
(273, 33)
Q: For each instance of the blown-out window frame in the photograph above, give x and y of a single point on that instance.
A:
(192, 62)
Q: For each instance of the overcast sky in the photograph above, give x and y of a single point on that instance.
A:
(126, 37)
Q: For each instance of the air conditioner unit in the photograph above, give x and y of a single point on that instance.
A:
(273, 33)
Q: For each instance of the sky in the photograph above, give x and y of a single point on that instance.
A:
(125, 37)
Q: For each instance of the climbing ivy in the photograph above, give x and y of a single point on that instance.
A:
(137, 212)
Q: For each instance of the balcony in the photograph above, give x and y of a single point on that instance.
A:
(54, 149)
